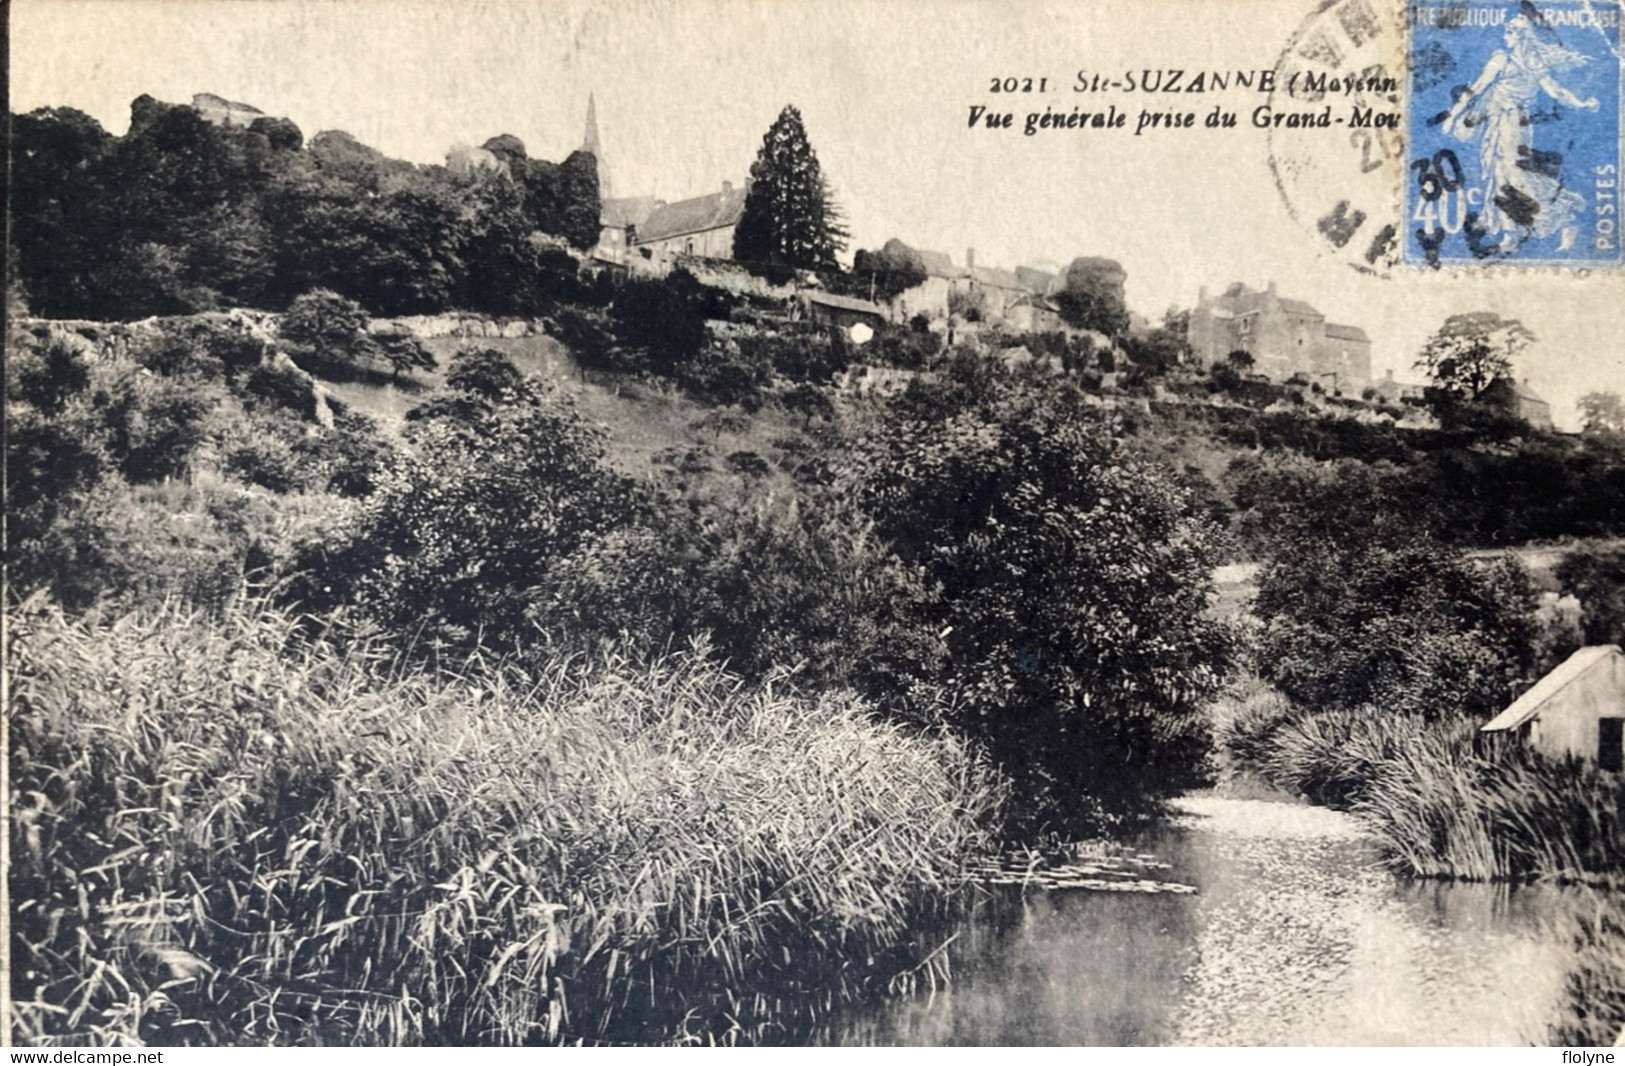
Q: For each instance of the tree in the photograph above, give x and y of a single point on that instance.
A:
(661, 318)
(1240, 360)
(328, 332)
(790, 218)
(1362, 606)
(895, 268)
(1602, 413)
(1092, 296)
(1472, 351)
(404, 353)
(1068, 579)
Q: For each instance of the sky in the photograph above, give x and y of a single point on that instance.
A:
(685, 90)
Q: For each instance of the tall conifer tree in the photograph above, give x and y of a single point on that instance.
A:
(790, 219)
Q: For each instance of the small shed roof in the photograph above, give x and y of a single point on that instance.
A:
(848, 303)
(1530, 703)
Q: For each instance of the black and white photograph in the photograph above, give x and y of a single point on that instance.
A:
(922, 523)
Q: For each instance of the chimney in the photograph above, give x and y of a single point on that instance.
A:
(970, 260)
(1201, 296)
(1389, 376)
(1272, 288)
(727, 186)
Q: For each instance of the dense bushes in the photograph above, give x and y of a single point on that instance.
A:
(1360, 606)
(223, 835)
(128, 483)
(502, 483)
(180, 216)
(1597, 579)
(1069, 581)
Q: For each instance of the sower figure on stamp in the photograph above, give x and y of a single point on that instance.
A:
(1521, 192)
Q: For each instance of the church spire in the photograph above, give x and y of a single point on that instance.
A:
(590, 143)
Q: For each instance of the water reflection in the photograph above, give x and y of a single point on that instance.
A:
(1294, 937)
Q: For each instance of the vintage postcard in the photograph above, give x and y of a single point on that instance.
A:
(929, 522)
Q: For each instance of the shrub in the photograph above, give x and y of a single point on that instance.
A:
(1596, 577)
(484, 373)
(210, 346)
(803, 355)
(726, 374)
(459, 531)
(223, 835)
(48, 375)
(663, 319)
(281, 386)
(1069, 579)
(263, 459)
(327, 333)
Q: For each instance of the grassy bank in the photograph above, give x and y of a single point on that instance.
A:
(1442, 800)
(222, 834)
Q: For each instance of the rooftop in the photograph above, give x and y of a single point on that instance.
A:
(1530, 703)
(627, 210)
(712, 211)
(939, 264)
(830, 299)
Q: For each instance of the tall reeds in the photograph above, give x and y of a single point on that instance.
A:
(224, 833)
(1445, 802)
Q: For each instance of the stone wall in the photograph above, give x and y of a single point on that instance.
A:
(459, 325)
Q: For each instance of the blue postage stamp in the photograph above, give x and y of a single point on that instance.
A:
(1514, 133)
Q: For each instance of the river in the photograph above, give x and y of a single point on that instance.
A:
(1293, 935)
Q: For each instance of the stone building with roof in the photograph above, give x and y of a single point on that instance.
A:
(1285, 337)
(700, 226)
(1530, 407)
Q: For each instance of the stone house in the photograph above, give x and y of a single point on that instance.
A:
(702, 226)
(1285, 337)
(994, 289)
(1578, 709)
(930, 297)
(1391, 391)
(1529, 406)
(1036, 314)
